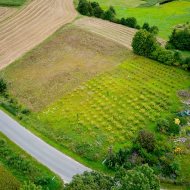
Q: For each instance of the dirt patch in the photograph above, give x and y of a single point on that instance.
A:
(6, 12)
(69, 58)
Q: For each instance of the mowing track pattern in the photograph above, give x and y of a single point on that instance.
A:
(118, 33)
(31, 26)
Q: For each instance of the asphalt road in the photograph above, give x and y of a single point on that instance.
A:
(56, 161)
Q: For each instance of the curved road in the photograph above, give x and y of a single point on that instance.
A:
(56, 161)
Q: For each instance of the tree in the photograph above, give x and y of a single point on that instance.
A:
(144, 43)
(30, 186)
(109, 14)
(146, 26)
(85, 8)
(140, 178)
(154, 30)
(146, 140)
(97, 10)
(130, 22)
(3, 86)
(90, 180)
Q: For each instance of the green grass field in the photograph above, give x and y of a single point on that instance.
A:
(16, 167)
(10, 3)
(165, 16)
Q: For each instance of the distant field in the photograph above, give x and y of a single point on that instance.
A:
(12, 2)
(165, 16)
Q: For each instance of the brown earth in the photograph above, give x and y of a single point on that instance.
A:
(110, 30)
(6, 12)
(31, 25)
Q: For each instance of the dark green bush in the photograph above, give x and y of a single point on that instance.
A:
(3, 86)
(130, 22)
(180, 39)
(144, 43)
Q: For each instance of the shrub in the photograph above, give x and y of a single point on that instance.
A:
(144, 43)
(180, 39)
(3, 86)
(146, 26)
(146, 140)
(162, 55)
(43, 181)
(85, 8)
(97, 10)
(130, 22)
(154, 30)
(110, 14)
(30, 186)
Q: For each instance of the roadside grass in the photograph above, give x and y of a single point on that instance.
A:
(36, 170)
(12, 3)
(7, 180)
(165, 16)
(60, 64)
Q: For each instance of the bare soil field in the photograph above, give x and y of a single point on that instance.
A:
(6, 12)
(60, 64)
(31, 25)
(118, 33)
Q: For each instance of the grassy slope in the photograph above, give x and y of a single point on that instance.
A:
(12, 2)
(165, 16)
(7, 180)
(21, 177)
(106, 103)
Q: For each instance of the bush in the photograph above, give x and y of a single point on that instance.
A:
(180, 39)
(164, 56)
(3, 86)
(30, 186)
(168, 126)
(144, 43)
(130, 22)
(146, 140)
(110, 14)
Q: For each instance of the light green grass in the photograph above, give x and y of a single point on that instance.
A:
(12, 2)
(165, 16)
(111, 108)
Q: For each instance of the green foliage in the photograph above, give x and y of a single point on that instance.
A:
(163, 56)
(3, 86)
(130, 22)
(180, 39)
(167, 126)
(90, 180)
(12, 2)
(30, 186)
(26, 169)
(144, 43)
(146, 140)
(140, 178)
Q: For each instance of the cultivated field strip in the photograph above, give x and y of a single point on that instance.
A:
(115, 32)
(6, 12)
(32, 25)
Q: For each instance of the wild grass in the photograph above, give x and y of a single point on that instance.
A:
(11, 3)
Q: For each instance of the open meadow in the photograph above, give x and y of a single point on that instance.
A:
(165, 16)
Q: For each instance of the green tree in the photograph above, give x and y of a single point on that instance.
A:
(110, 14)
(140, 178)
(30, 186)
(3, 86)
(85, 8)
(90, 180)
(97, 10)
(144, 43)
(146, 140)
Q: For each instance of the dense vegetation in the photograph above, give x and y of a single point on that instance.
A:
(12, 2)
(24, 168)
(180, 38)
(140, 178)
(145, 44)
(93, 9)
